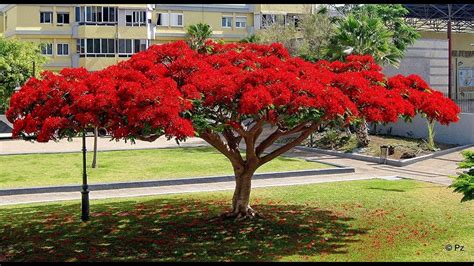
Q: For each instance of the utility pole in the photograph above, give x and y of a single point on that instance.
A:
(450, 53)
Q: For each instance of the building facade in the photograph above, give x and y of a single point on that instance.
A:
(96, 36)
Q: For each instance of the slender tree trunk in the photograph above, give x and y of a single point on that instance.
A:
(94, 159)
(431, 135)
(362, 133)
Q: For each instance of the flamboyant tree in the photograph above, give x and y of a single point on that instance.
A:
(429, 103)
(230, 95)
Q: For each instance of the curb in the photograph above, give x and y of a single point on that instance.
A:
(171, 182)
(392, 162)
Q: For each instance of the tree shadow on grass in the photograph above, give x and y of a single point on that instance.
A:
(170, 230)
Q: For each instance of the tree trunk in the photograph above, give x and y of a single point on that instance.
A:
(362, 133)
(431, 135)
(94, 159)
(241, 200)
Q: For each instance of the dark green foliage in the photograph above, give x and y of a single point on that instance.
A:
(464, 183)
(376, 29)
(16, 66)
(250, 39)
(198, 34)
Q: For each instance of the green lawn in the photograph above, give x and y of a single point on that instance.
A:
(372, 220)
(119, 166)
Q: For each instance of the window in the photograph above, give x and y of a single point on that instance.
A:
(226, 22)
(112, 14)
(135, 18)
(111, 46)
(96, 15)
(90, 46)
(127, 47)
(108, 47)
(176, 19)
(136, 44)
(163, 19)
(99, 14)
(105, 16)
(78, 13)
(89, 13)
(270, 19)
(62, 18)
(47, 48)
(96, 47)
(293, 20)
(63, 49)
(46, 17)
(143, 45)
(241, 22)
(80, 48)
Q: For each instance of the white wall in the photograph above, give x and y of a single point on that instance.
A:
(461, 133)
(427, 58)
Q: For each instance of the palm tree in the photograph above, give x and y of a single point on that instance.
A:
(198, 34)
(363, 35)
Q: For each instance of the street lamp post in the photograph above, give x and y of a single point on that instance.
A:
(85, 191)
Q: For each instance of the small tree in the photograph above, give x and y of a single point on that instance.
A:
(464, 183)
(198, 34)
(308, 40)
(429, 103)
(17, 60)
(225, 94)
(316, 30)
(277, 33)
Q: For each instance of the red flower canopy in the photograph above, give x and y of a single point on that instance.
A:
(175, 91)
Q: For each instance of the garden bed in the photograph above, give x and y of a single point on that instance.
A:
(403, 151)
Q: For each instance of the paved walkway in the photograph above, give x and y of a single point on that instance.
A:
(9, 147)
(202, 187)
(435, 170)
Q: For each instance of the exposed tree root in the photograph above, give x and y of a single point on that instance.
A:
(237, 216)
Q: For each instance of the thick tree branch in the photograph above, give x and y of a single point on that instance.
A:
(216, 141)
(269, 141)
(250, 138)
(258, 125)
(276, 135)
(232, 140)
(305, 133)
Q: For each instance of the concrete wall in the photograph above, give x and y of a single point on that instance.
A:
(461, 133)
(427, 58)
